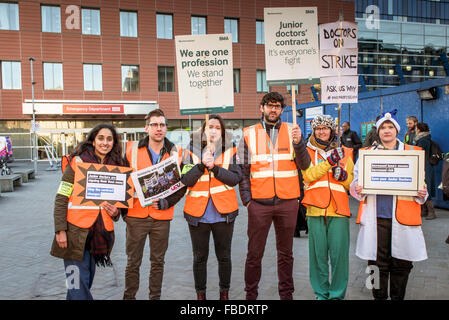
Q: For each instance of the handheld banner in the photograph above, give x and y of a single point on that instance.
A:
(158, 181)
(205, 74)
(291, 45)
(339, 62)
(98, 183)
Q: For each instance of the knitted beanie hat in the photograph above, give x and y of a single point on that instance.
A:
(323, 120)
(388, 116)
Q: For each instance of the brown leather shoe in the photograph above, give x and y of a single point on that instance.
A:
(224, 295)
(201, 296)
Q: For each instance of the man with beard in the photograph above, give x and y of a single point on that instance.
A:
(272, 152)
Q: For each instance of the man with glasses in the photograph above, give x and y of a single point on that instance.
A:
(272, 152)
(153, 220)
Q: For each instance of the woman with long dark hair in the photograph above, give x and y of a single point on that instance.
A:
(210, 173)
(84, 236)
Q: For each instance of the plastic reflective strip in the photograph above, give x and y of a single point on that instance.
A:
(325, 184)
(134, 155)
(219, 189)
(197, 194)
(290, 139)
(264, 157)
(176, 155)
(195, 159)
(252, 141)
(277, 174)
(204, 177)
(71, 206)
(227, 158)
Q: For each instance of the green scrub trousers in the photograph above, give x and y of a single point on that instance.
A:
(328, 239)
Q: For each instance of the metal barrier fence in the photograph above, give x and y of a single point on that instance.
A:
(52, 144)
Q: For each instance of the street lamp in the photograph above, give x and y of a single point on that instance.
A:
(33, 123)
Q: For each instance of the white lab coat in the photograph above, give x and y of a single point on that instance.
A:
(407, 242)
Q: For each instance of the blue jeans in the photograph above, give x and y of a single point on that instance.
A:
(80, 276)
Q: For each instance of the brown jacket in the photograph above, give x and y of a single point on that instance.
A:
(76, 237)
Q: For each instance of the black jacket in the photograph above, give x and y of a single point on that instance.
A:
(350, 139)
(172, 199)
(425, 143)
(302, 160)
(230, 177)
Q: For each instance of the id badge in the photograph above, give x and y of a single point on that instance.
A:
(270, 158)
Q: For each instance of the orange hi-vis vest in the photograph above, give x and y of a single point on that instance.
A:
(223, 196)
(408, 211)
(139, 159)
(273, 169)
(322, 192)
(85, 216)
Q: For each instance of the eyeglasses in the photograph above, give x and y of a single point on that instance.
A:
(273, 106)
(322, 128)
(157, 125)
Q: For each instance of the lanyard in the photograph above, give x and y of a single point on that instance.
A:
(271, 136)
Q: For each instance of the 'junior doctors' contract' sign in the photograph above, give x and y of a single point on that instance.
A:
(338, 62)
(291, 45)
(205, 73)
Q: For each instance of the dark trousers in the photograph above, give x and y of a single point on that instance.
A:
(260, 217)
(200, 235)
(396, 269)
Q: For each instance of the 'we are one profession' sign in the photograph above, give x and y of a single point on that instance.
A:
(205, 73)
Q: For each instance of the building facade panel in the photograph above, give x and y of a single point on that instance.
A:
(71, 48)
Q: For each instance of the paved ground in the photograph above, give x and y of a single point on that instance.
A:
(27, 271)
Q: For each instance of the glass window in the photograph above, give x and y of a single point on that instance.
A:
(128, 24)
(93, 79)
(367, 35)
(262, 81)
(412, 39)
(390, 38)
(198, 25)
(232, 26)
(130, 78)
(236, 80)
(436, 42)
(412, 28)
(385, 26)
(164, 25)
(91, 21)
(260, 35)
(9, 16)
(166, 79)
(434, 30)
(11, 75)
(53, 79)
(51, 19)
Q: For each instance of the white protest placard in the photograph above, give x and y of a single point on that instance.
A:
(340, 89)
(158, 181)
(106, 186)
(340, 34)
(205, 73)
(339, 62)
(291, 45)
(393, 172)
